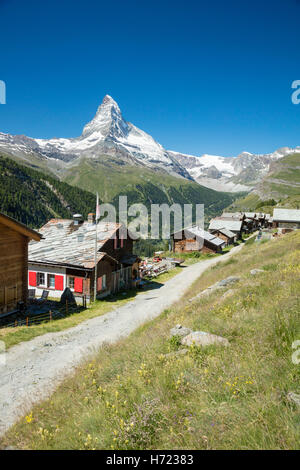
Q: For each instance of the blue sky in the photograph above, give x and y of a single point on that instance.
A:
(200, 77)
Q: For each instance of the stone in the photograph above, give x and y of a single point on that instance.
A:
(253, 272)
(294, 397)
(202, 338)
(228, 293)
(228, 281)
(180, 330)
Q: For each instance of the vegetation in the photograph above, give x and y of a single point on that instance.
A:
(33, 198)
(141, 394)
(279, 188)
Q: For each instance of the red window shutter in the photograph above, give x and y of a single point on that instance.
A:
(59, 282)
(32, 278)
(78, 284)
(99, 284)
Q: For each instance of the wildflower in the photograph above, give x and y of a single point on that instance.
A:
(29, 418)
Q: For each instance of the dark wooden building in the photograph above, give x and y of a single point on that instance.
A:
(195, 239)
(66, 258)
(14, 239)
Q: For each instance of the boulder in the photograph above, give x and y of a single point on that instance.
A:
(228, 293)
(294, 398)
(253, 272)
(228, 281)
(201, 338)
(180, 330)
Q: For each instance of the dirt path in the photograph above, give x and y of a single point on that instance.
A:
(33, 369)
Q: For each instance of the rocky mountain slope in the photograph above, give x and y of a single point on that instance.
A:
(241, 173)
(106, 134)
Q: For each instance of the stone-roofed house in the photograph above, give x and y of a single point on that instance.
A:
(66, 258)
(195, 239)
(286, 219)
(225, 234)
(231, 224)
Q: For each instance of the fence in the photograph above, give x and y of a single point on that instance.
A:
(28, 320)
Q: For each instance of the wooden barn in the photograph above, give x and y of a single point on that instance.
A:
(14, 239)
(226, 235)
(66, 258)
(195, 239)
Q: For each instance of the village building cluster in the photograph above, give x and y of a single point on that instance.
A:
(66, 253)
(222, 231)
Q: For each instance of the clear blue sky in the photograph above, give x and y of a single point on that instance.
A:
(200, 77)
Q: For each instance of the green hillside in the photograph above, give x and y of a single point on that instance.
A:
(32, 197)
(111, 177)
(281, 184)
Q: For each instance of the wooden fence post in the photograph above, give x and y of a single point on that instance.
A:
(27, 321)
(50, 315)
(16, 323)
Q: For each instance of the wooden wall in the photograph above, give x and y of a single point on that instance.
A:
(13, 268)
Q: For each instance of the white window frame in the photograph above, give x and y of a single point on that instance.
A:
(71, 288)
(38, 284)
(48, 281)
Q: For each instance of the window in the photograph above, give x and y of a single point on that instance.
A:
(51, 281)
(71, 282)
(41, 279)
(104, 281)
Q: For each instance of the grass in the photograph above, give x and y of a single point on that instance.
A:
(13, 336)
(140, 394)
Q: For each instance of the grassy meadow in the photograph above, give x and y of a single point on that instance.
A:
(142, 393)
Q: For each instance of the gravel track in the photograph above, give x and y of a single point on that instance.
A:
(34, 368)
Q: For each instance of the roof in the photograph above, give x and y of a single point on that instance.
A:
(233, 215)
(250, 215)
(197, 232)
(229, 224)
(226, 232)
(286, 215)
(65, 243)
(19, 227)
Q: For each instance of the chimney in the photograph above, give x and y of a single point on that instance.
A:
(91, 218)
(78, 219)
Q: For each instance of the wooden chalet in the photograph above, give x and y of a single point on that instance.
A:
(14, 239)
(66, 258)
(226, 235)
(195, 239)
(286, 219)
(234, 225)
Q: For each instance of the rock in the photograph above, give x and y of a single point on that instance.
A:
(228, 281)
(253, 272)
(294, 397)
(228, 293)
(201, 338)
(180, 330)
(218, 285)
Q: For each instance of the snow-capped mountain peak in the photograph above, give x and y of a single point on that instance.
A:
(108, 133)
(108, 121)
